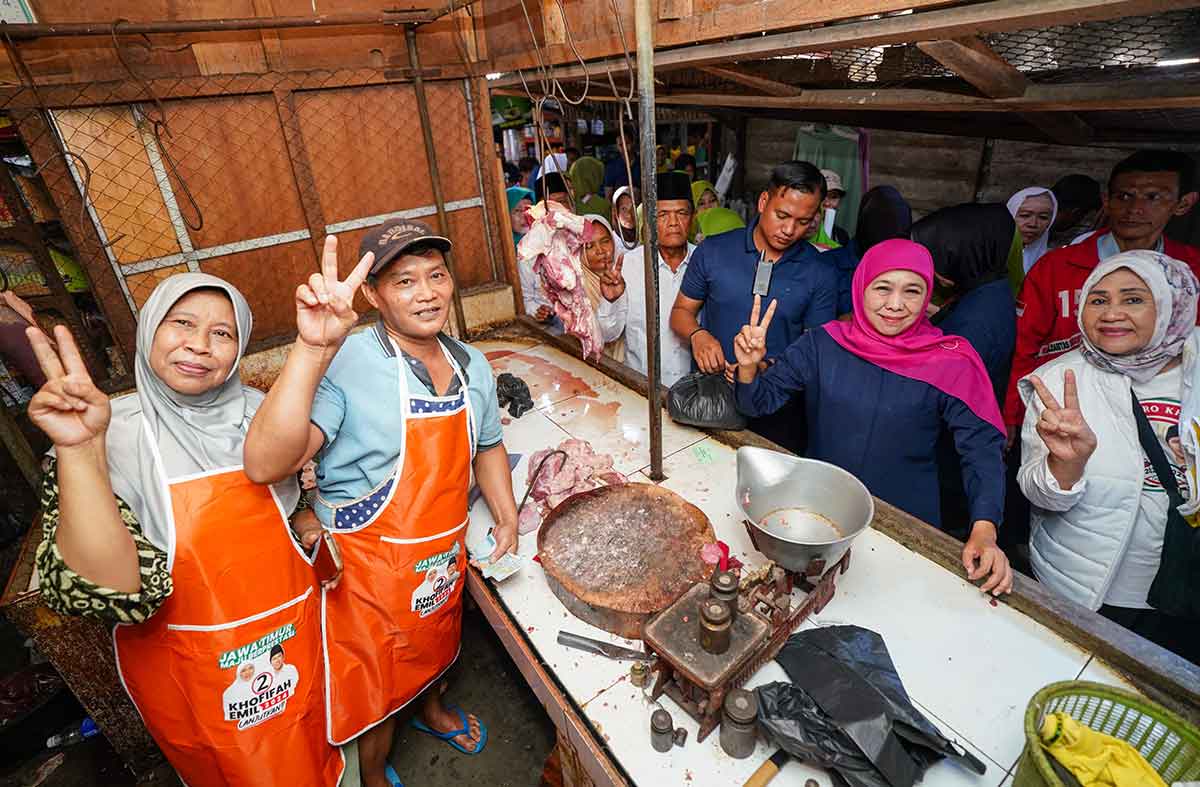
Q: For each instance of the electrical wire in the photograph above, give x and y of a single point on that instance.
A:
(158, 125)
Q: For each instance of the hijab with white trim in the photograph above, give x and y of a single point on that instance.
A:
(1034, 251)
(194, 433)
(1175, 290)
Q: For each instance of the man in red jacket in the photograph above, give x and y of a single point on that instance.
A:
(1145, 191)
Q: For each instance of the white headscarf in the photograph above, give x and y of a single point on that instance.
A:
(1034, 251)
(193, 433)
(1175, 292)
(618, 232)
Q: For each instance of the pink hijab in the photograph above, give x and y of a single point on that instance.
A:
(923, 352)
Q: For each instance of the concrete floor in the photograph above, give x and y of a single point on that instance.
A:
(484, 682)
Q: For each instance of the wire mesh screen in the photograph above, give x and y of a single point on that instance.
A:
(180, 176)
(1049, 54)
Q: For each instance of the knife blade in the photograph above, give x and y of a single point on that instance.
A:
(600, 648)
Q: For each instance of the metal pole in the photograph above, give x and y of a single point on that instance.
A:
(54, 29)
(468, 94)
(435, 178)
(643, 17)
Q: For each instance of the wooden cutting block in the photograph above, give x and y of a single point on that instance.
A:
(616, 555)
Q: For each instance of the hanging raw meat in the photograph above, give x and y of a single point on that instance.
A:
(553, 247)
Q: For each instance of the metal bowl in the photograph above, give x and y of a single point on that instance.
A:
(803, 513)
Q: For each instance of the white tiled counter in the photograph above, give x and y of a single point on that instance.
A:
(971, 667)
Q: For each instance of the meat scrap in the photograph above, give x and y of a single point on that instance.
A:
(553, 247)
(561, 476)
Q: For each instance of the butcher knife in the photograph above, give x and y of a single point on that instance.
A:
(600, 648)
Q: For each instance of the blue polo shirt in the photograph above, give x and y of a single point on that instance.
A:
(358, 409)
(721, 274)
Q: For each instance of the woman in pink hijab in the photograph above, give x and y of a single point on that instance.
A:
(880, 388)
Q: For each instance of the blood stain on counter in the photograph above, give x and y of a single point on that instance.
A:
(545, 380)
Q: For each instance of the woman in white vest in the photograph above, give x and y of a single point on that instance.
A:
(1101, 511)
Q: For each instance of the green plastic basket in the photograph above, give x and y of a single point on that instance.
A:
(1169, 744)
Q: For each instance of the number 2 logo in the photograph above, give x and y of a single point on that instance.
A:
(262, 682)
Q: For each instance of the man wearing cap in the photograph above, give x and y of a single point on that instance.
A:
(398, 416)
(624, 289)
(834, 192)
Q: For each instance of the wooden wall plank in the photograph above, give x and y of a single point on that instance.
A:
(232, 156)
(268, 278)
(510, 47)
(367, 153)
(142, 284)
(124, 193)
(452, 140)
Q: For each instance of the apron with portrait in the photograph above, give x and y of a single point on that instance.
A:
(392, 626)
(228, 674)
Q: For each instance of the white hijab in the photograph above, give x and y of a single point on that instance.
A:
(619, 232)
(1034, 251)
(193, 433)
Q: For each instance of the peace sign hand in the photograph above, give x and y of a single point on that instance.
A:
(69, 408)
(750, 344)
(324, 305)
(612, 283)
(1062, 427)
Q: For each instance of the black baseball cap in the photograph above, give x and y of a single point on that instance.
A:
(391, 239)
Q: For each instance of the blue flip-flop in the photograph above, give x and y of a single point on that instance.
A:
(449, 737)
(392, 777)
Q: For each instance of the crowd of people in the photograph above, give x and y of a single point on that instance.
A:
(990, 369)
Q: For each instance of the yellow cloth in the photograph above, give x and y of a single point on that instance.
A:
(1095, 759)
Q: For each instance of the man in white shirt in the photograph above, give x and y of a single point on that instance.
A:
(624, 289)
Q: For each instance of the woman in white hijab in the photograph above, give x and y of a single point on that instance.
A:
(624, 220)
(602, 261)
(1034, 210)
(151, 523)
(1109, 482)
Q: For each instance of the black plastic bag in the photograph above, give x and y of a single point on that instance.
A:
(513, 392)
(704, 400)
(849, 675)
(791, 719)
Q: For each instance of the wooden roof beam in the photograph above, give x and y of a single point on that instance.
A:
(1162, 94)
(993, 76)
(761, 84)
(992, 16)
(974, 61)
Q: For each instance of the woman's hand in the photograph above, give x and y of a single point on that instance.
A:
(981, 557)
(324, 304)
(750, 344)
(1063, 429)
(69, 408)
(612, 283)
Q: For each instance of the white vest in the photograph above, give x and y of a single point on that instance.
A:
(1078, 537)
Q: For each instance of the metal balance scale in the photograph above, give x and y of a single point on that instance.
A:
(702, 653)
(627, 559)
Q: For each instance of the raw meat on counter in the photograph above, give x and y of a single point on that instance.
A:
(553, 247)
(577, 469)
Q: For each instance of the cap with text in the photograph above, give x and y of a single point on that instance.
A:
(391, 239)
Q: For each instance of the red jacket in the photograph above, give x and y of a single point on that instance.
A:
(1048, 309)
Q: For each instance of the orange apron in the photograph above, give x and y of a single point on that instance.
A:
(223, 707)
(393, 624)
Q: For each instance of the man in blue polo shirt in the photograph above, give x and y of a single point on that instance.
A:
(400, 417)
(721, 281)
